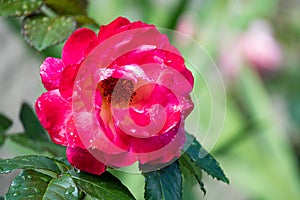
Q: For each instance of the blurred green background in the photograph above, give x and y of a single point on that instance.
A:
(256, 46)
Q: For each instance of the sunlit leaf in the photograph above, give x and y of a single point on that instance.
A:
(42, 32)
(19, 7)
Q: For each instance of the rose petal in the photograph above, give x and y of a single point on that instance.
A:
(67, 81)
(111, 29)
(117, 26)
(83, 160)
(168, 152)
(75, 47)
(50, 72)
(157, 63)
(53, 112)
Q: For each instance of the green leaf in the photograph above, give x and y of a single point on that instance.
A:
(2, 136)
(38, 186)
(85, 20)
(70, 7)
(32, 163)
(62, 188)
(19, 7)
(28, 185)
(205, 162)
(5, 122)
(39, 146)
(186, 162)
(42, 32)
(165, 183)
(32, 126)
(105, 186)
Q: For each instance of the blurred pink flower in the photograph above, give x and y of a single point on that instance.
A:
(260, 48)
(256, 46)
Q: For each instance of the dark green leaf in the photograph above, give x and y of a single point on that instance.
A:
(2, 136)
(165, 183)
(70, 7)
(19, 7)
(39, 146)
(85, 20)
(31, 162)
(35, 185)
(186, 162)
(105, 186)
(5, 122)
(204, 160)
(42, 32)
(188, 183)
(31, 124)
(1, 198)
(28, 185)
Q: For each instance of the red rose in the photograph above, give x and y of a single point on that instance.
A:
(117, 97)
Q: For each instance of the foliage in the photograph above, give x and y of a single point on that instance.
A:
(44, 177)
(46, 23)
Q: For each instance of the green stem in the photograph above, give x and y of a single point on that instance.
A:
(182, 5)
(48, 12)
(250, 129)
(252, 126)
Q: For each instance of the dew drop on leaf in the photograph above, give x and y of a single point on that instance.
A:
(36, 190)
(16, 194)
(70, 190)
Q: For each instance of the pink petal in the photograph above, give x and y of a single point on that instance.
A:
(169, 151)
(111, 29)
(83, 160)
(155, 62)
(50, 72)
(146, 126)
(67, 81)
(53, 112)
(119, 25)
(75, 47)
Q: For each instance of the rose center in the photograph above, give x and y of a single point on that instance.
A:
(118, 92)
